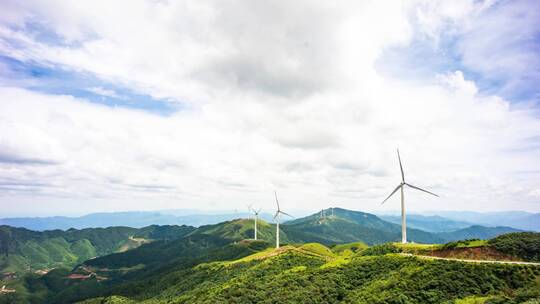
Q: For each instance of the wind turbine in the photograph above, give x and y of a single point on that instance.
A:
(256, 213)
(401, 186)
(276, 218)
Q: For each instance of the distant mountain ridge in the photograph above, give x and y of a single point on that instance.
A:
(515, 219)
(444, 221)
(134, 219)
(476, 232)
(429, 223)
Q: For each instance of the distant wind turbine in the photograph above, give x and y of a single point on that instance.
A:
(256, 213)
(276, 218)
(401, 186)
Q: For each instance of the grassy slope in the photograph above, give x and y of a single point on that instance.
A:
(177, 274)
(309, 274)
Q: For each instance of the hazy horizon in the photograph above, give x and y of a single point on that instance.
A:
(148, 105)
(295, 212)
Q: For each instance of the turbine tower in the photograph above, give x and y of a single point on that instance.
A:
(400, 187)
(256, 213)
(276, 218)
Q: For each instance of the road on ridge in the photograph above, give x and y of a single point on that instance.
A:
(471, 261)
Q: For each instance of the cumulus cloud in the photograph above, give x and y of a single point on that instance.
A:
(276, 96)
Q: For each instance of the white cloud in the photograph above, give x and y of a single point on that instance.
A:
(105, 92)
(280, 96)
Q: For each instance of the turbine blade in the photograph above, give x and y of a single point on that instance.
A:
(277, 202)
(285, 213)
(276, 215)
(397, 188)
(258, 211)
(401, 167)
(249, 207)
(421, 189)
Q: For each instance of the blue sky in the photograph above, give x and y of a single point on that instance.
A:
(51, 79)
(110, 106)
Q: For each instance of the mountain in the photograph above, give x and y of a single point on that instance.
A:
(216, 263)
(529, 222)
(193, 244)
(515, 219)
(127, 219)
(475, 232)
(31, 250)
(26, 250)
(433, 223)
(241, 229)
(310, 273)
(345, 226)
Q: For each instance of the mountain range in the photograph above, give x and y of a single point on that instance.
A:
(220, 264)
(429, 223)
(443, 221)
(135, 219)
(25, 249)
(516, 219)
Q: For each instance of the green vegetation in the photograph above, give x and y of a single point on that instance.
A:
(475, 232)
(525, 245)
(346, 226)
(241, 229)
(220, 264)
(382, 249)
(471, 243)
(349, 248)
(23, 250)
(294, 276)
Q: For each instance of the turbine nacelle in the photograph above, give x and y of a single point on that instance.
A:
(406, 184)
(256, 212)
(278, 212)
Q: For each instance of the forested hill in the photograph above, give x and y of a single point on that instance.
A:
(26, 250)
(250, 272)
(337, 225)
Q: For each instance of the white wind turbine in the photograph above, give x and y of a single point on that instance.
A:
(401, 186)
(256, 213)
(276, 218)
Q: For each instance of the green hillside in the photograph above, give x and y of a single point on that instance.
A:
(220, 263)
(194, 244)
(24, 250)
(475, 232)
(525, 245)
(241, 229)
(345, 226)
(315, 274)
(123, 271)
(208, 268)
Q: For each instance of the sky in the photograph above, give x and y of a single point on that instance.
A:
(148, 104)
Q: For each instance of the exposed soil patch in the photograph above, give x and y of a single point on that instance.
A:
(476, 253)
